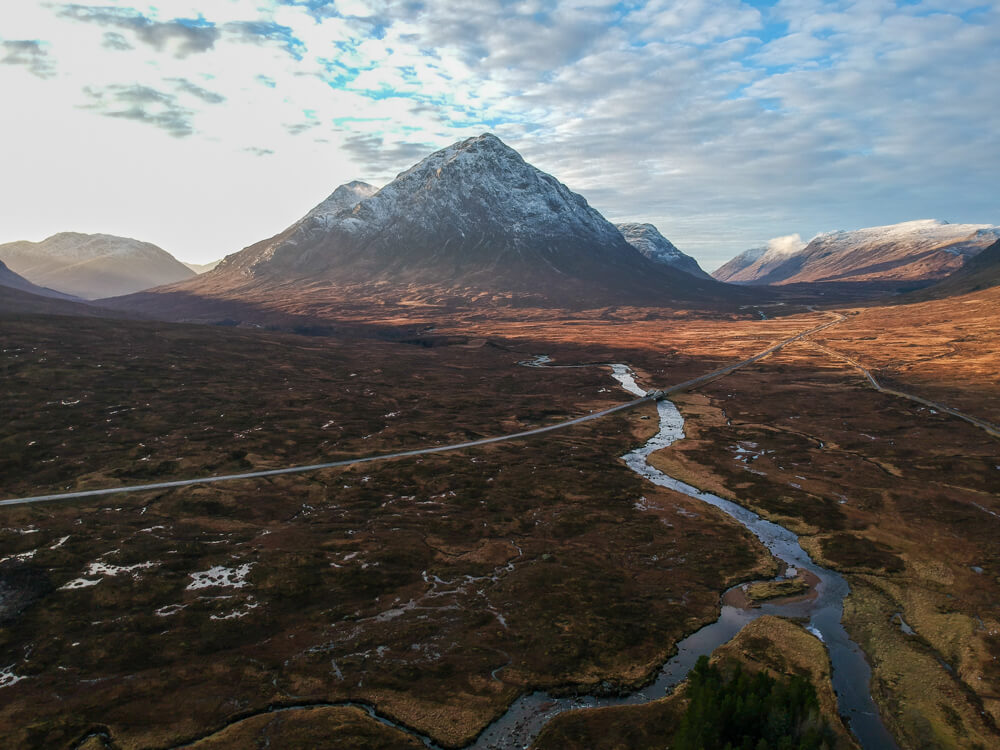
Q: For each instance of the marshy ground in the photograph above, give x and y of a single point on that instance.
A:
(437, 589)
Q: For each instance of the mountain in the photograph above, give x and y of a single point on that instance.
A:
(18, 296)
(647, 239)
(759, 261)
(981, 272)
(202, 267)
(11, 280)
(473, 221)
(93, 265)
(922, 250)
(345, 197)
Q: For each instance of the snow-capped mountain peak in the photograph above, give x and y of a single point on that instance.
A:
(473, 217)
(345, 197)
(646, 238)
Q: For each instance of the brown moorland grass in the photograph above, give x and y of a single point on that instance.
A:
(436, 588)
(901, 500)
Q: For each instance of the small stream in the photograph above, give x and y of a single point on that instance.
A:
(522, 722)
(520, 725)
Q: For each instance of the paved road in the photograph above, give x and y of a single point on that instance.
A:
(991, 428)
(686, 385)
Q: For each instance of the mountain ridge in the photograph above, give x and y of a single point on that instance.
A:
(91, 266)
(472, 221)
(648, 240)
(913, 251)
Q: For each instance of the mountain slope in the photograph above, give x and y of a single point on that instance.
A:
(18, 296)
(647, 239)
(759, 261)
(93, 265)
(472, 222)
(345, 197)
(11, 280)
(922, 250)
(203, 267)
(982, 272)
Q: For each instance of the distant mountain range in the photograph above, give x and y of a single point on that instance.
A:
(93, 265)
(914, 251)
(473, 221)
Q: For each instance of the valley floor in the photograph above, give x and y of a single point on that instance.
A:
(436, 589)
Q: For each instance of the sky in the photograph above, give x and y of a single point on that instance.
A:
(206, 126)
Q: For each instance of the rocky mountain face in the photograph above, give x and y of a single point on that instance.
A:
(914, 251)
(647, 239)
(473, 220)
(93, 265)
(344, 198)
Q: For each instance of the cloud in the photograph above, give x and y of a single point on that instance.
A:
(29, 53)
(787, 245)
(381, 156)
(185, 37)
(142, 104)
(185, 86)
(724, 122)
(116, 41)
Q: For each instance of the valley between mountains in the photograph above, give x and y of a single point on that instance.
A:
(422, 601)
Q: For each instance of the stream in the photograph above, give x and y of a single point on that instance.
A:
(520, 725)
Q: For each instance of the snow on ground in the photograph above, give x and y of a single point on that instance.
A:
(236, 613)
(8, 678)
(170, 609)
(104, 569)
(220, 576)
(22, 556)
(80, 583)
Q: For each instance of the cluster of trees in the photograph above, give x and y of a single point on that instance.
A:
(733, 709)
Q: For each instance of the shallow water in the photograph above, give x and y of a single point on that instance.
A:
(521, 723)
(519, 726)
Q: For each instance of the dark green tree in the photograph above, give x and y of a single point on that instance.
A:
(734, 709)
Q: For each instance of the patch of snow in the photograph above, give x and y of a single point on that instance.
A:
(237, 614)
(8, 678)
(104, 569)
(170, 609)
(22, 556)
(80, 583)
(220, 576)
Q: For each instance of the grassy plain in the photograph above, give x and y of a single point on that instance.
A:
(439, 588)
(436, 588)
(902, 500)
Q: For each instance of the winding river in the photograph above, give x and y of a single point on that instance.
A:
(519, 726)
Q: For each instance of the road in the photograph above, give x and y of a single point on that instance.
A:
(686, 385)
(989, 427)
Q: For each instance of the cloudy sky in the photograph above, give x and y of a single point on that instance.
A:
(206, 126)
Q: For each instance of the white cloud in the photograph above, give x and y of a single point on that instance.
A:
(206, 133)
